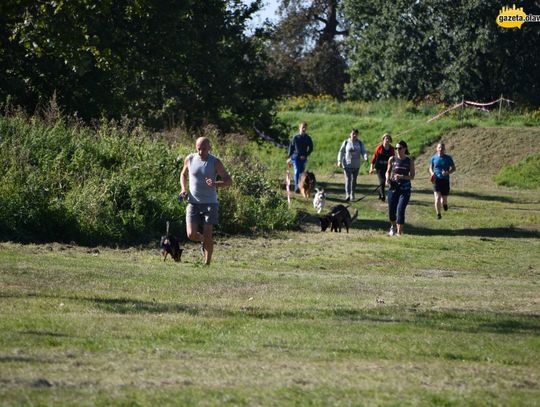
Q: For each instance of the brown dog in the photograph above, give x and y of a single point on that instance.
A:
(170, 245)
(307, 183)
(339, 215)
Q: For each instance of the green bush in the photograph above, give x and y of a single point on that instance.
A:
(116, 184)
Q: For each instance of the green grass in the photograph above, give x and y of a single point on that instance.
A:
(524, 174)
(330, 123)
(448, 314)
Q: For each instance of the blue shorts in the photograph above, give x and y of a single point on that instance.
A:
(206, 214)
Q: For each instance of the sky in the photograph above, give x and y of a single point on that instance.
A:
(268, 11)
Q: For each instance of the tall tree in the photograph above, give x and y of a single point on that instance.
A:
(413, 49)
(161, 60)
(306, 47)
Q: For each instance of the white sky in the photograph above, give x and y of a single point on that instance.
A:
(268, 11)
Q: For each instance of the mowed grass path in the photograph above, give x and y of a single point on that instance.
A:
(448, 314)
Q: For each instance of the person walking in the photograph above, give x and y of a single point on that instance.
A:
(399, 174)
(440, 167)
(349, 157)
(379, 162)
(300, 147)
(202, 169)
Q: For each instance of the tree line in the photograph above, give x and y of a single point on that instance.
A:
(193, 62)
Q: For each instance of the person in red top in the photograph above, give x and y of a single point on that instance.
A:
(379, 162)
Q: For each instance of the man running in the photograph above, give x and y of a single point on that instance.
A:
(202, 208)
(440, 167)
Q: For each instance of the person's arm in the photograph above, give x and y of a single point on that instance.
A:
(431, 169)
(291, 148)
(374, 159)
(452, 168)
(309, 146)
(363, 150)
(389, 170)
(411, 175)
(412, 172)
(183, 177)
(340, 153)
(225, 181)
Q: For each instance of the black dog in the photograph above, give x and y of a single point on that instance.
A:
(170, 245)
(339, 215)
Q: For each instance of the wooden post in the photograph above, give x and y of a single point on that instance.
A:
(462, 112)
(500, 105)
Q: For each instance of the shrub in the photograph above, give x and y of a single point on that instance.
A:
(116, 184)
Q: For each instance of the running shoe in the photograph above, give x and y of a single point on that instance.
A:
(445, 207)
(439, 216)
(392, 231)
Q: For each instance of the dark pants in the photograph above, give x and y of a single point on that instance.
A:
(381, 174)
(397, 203)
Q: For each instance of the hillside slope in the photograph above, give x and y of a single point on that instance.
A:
(480, 153)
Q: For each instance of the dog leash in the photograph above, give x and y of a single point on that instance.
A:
(288, 185)
(369, 193)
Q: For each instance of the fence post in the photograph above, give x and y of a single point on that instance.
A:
(462, 109)
(500, 105)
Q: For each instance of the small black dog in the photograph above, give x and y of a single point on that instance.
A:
(339, 215)
(170, 245)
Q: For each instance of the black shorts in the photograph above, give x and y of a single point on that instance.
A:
(442, 185)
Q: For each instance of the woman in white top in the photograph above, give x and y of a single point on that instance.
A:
(349, 157)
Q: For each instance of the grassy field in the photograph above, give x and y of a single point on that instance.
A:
(448, 314)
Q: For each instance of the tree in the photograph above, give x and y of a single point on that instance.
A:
(414, 49)
(306, 50)
(164, 61)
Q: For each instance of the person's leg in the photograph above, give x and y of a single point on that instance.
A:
(381, 174)
(299, 167)
(346, 181)
(444, 194)
(192, 231)
(193, 220)
(354, 181)
(438, 202)
(403, 201)
(392, 208)
(349, 182)
(208, 243)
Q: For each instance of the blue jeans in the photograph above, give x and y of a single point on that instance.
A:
(299, 167)
(397, 203)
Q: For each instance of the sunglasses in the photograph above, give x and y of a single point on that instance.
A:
(399, 148)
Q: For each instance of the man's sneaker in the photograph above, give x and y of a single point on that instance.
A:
(347, 198)
(392, 231)
(445, 207)
(352, 197)
(439, 216)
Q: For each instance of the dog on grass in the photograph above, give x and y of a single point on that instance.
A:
(307, 183)
(170, 245)
(319, 200)
(337, 217)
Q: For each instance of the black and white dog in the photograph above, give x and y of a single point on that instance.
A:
(319, 200)
(170, 245)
